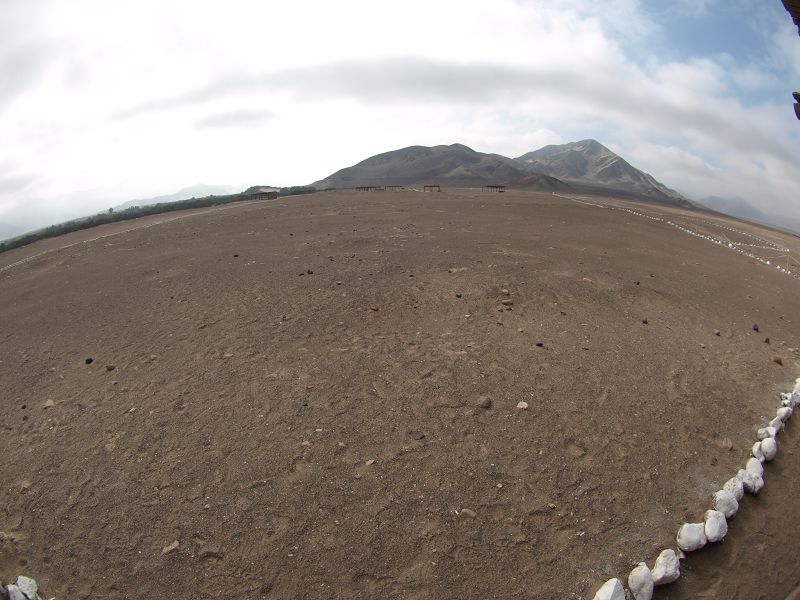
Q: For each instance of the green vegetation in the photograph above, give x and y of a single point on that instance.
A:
(112, 216)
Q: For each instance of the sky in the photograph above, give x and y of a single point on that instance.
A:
(102, 102)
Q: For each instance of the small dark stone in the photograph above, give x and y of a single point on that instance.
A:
(755, 327)
(766, 340)
(540, 344)
(485, 402)
(310, 272)
(644, 321)
(89, 361)
(776, 359)
(458, 295)
(416, 435)
(636, 282)
(717, 332)
(235, 256)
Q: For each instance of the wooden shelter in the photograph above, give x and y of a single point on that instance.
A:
(433, 188)
(494, 188)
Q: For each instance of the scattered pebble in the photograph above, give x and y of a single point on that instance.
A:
(505, 292)
(208, 553)
(777, 360)
(539, 344)
(507, 302)
(89, 360)
(416, 435)
(755, 327)
(49, 404)
(374, 307)
(370, 462)
(691, 536)
(644, 321)
(640, 582)
(110, 367)
(466, 512)
(485, 402)
(170, 548)
(522, 404)
(717, 332)
(766, 340)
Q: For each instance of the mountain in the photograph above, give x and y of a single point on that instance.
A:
(591, 166)
(455, 165)
(195, 191)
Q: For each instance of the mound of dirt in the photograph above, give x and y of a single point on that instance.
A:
(289, 400)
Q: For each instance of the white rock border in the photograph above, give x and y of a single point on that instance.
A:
(693, 536)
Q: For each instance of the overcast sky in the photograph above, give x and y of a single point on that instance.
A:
(101, 102)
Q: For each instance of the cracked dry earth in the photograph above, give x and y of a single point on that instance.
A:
(291, 392)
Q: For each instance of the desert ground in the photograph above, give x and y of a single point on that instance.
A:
(288, 400)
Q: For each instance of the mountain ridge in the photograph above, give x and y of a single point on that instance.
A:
(589, 163)
(585, 166)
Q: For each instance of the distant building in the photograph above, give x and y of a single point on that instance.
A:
(260, 193)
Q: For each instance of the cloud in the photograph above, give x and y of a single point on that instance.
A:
(241, 117)
(105, 102)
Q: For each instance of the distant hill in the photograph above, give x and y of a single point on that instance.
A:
(741, 209)
(199, 190)
(586, 166)
(590, 165)
(455, 165)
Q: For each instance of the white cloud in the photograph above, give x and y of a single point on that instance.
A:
(129, 99)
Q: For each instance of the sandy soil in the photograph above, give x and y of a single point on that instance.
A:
(275, 368)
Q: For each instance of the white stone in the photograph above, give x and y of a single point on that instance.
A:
(611, 590)
(716, 526)
(735, 487)
(748, 481)
(763, 433)
(691, 537)
(640, 582)
(772, 432)
(758, 485)
(777, 424)
(726, 503)
(667, 568)
(757, 451)
(784, 413)
(769, 448)
(755, 467)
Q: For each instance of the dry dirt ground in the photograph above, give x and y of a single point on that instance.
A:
(276, 366)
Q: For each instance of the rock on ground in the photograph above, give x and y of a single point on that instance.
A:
(640, 582)
(667, 568)
(611, 590)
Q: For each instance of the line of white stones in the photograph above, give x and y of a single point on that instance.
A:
(693, 536)
(723, 243)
